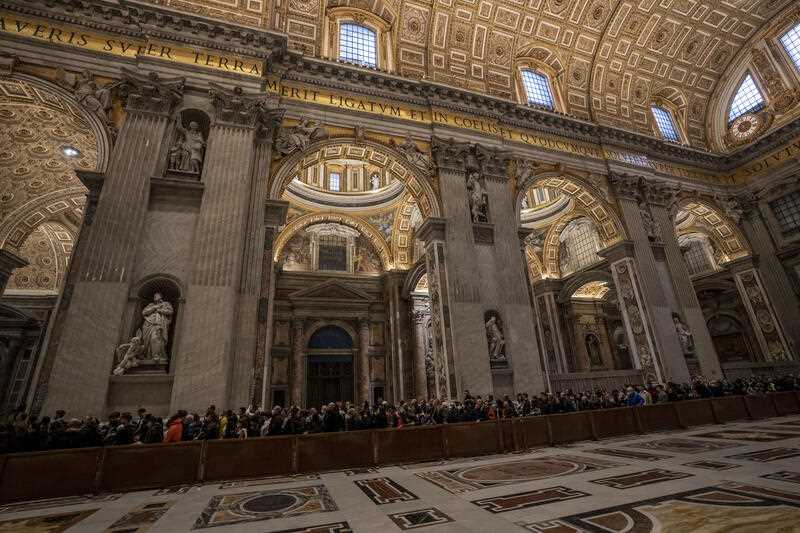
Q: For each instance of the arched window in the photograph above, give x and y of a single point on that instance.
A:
(358, 44)
(665, 123)
(578, 246)
(537, 88)
(698, 253)
(748, 98)
(791, 43)
(333, 181)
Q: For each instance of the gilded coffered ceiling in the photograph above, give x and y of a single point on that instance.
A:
(610, 58)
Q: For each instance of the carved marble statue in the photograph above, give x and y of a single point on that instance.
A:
(186, 155)
(477, 198)
(129, 353)
(375, 181)
(651, 227)
(593, 350)
(298, 137)
(92, 97)
(497, 341)
(414, 155)
(157, 317)
(684, 335)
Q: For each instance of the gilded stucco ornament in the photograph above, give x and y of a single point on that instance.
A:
(299, 137)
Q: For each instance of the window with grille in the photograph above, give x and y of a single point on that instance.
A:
(697, 258)
(358, 44)
(579, 246)
(332, 250)
(747, 99)
(333, 181)
(666, 126)
(537, 88)
(791, 43)
(787, 211)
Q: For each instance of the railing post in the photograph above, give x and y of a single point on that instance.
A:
(713, 411)
(592, 425)
(678, 415)
(638, 420)
(445, 443)
(201, 467)
(499, 440)
(550, 439)
(373, 438)
(98, 475)
(295, 454)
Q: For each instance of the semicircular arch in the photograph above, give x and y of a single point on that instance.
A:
(358, 224)
(720, 228)
(416, 181)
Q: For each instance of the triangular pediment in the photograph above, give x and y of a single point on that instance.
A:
(330, 290)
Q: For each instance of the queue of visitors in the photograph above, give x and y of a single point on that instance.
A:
(22, 432)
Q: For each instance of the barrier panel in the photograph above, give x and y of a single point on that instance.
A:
(614, 422)
(334, 451)
(659, 417)
(231, 459)
(51, 474)
(533, 432)
(571, 427)
(150, 465)
(28, 476)
(471, 438)
(410, 445)
(760, 407)
(695, 412)
(786, 403)
(729, 409)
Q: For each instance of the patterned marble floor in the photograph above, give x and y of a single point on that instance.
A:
(737, 477)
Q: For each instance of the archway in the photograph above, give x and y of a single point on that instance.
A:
(329, 366)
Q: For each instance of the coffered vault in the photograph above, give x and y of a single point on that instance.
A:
(609, 59)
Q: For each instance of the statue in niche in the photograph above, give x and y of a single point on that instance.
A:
(593, 350)
(157, 317)
(620, 345)
(92, 97)
(478, 201)
(298, 137)
(375, 181)
(495, 338)
(651, 228)
(684, 335)
(413, 154)
(186, 154)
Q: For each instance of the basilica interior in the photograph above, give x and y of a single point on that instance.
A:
(280, 202)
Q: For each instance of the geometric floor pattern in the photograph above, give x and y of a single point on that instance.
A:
(742, 476)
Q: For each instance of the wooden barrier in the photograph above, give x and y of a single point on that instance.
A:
(50, 474)
(695, 413)
(154, 465)
(729, 409)
(614, 422)
(234, 458)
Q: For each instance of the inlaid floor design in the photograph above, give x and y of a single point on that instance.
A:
(467, 479)
(717, 478)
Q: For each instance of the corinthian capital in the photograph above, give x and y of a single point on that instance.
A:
(468, 157)
(150, 92)
(659, 192)
(745, 204)
(626, 186)
(234, 106)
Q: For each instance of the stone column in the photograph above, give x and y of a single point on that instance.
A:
(485, 269)
(432, 233)
(274, 218)
(551, 337)
(207, 368)
(394, 344)
(634, 310)
(420, 315)
(659, 198)
(298, 367)
(767, 327)
(99, 294)
(773, 276)
(248, 363)
(664, 339)
(9, 262)
(363, 360)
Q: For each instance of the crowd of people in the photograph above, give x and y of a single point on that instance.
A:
(23, 432)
